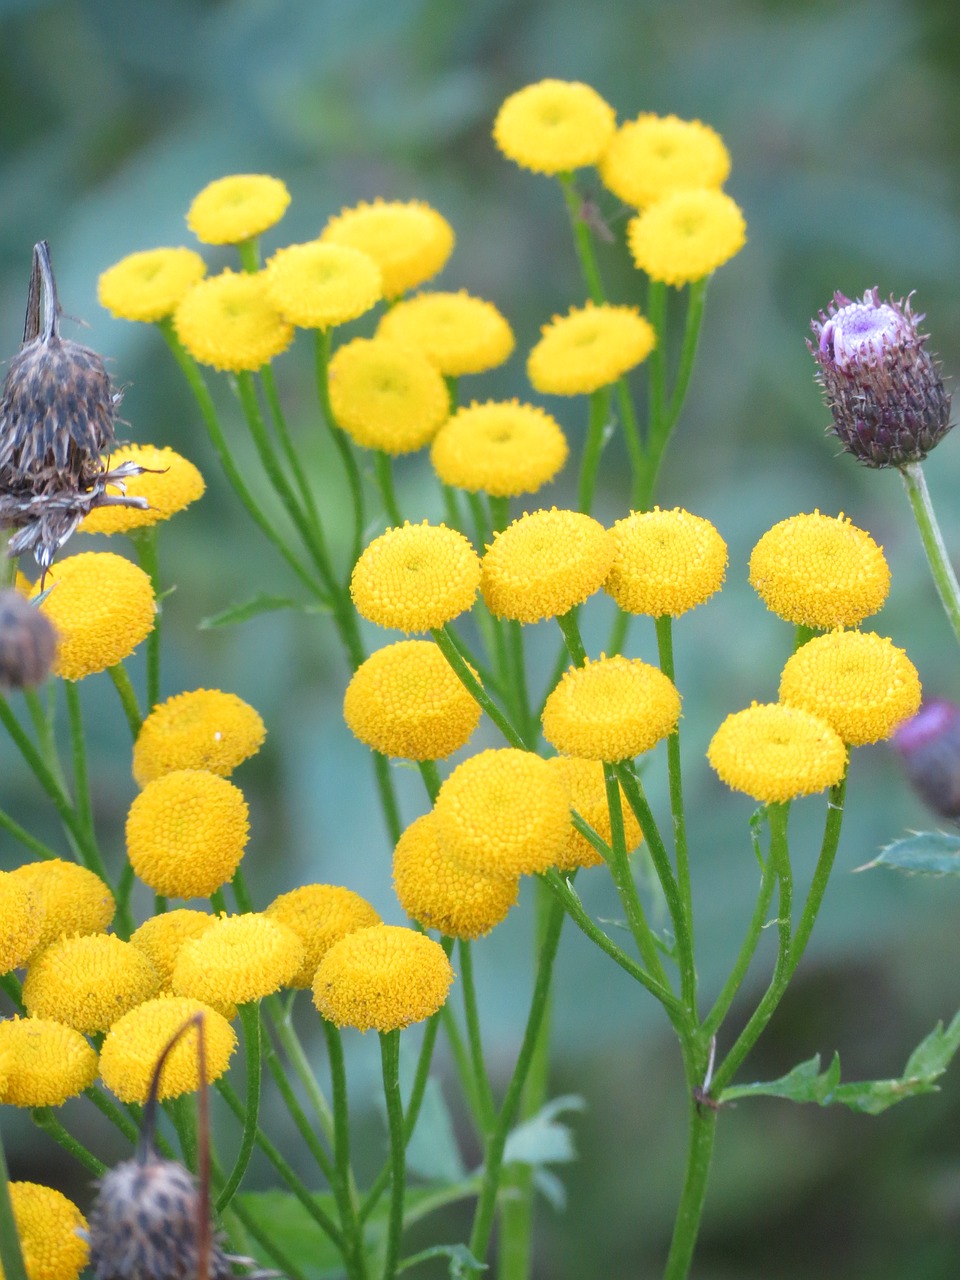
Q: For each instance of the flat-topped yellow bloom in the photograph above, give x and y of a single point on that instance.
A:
(585, 782)
(134, 1043)
(409, 241)
(611, 709)
(503, 448)
(666, 562)
(455, 331)
(21, 922)
(45, 1062)
(237, 207)
(317, 285)
(320, 915)
(653, 156)
(149, 285)
(859, 682)
(820, 571)
(238, 959)
(775, 753)
(439, 893)
(416, 578)
(169, 483)
(554, 126)
(544, 564)
(51, 1230)
(88, 982)
(686, 235)
(588, 348)
(229, 323)
(385, 977)
(503, 813)
(387, 396)
(161, 937)
(406, 701)
(72, 900)
(200, 729)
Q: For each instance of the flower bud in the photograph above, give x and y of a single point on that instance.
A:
(28, 641)
(884, 390)
(929, 746)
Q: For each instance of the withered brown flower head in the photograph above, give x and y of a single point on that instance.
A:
(57, 415)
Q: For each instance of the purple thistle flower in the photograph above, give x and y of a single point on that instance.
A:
(929, 747)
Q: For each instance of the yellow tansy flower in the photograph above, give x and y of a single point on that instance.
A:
(149, 285)
(686, 236)
(238, 959)
(410, 242)
(859, 682)
(320, 915)
(440, 894)
(544, 564)
(21, 921)
(416, 578)
(49, 1226)
(72, 899)
(666, 562)
(586, 785)
(169, 484)
(45, 1062)
(455, 331)
(611, 709)
(387, 396)
(229, 322)
(653, 156)
(406, 701)
(237, 207)
(503, 813)
(775, 753)
(88, 982)
(201, 729)
(384, 977)
(588, 348)
(503, 448)
(186, 833)
(317, 285)
(554, 126)
(135, 1042)
(102, 607)
(820, 571)
(161, 937)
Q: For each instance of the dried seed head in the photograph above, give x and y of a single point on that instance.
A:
(28, 641)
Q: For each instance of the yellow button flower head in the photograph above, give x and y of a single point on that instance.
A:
(545, 563)
(588, 348)
(653, 156)
(503, 448)
(240, 958)
(416, 578)
(387, 396)
(410, 242)
(49, 1226)
(554, 126)
(169, 484)
(774, 753)
(236, 208)
(161, 937)
(455, 331)
(384, 977)
(820, 571)
(186, 833)
(149, 285)
(135, 1042)
(666, 562)
(102, 607)
(88, 982)
(611, 709)
(320, 915)
(201, 729)
(317, 285)
(229, 323)
(440, 894)
(685, 236)
(585, 783)
(45, 1062)
(72, 899)
(503, 813)
(406, 701)
(859, 682)
(21, 921)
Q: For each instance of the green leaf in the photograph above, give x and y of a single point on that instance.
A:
(432, 1152)
(281, 1217)
(541, 1139)
(251, 608)
(932, 853)
(462, 1261)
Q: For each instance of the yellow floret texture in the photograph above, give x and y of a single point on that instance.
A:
(161, 937)
(49, 1226)
(229, 323)
(588, 348)
(686, 235)
(237, 207)
(72, 899)
(169, 484)
(88, 982)
(21, 921)
(319, 285)
(410, 242)
(455, 331)
(148, 286)
(320, 915)
(502, 448)
(416, 578)
(652, 156)
(774, 753)
(584, 780)
(203, 729)
(386, 396)
(238, 959)
(554, 126)
(666, 562)
(611, 709)
(45, 1062)
(135, 1042)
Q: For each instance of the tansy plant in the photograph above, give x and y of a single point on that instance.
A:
(559, 797)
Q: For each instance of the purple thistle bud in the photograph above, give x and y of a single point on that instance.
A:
(884, 390)
(929, 746)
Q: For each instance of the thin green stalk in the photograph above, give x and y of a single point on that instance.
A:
(703, 1128)
(582, 237)
(390, 1059)
(294, 461)
(748, 947)
(631, 431)
(487, 677)
(78, 748)
(470, 682)
(488, 1108)
(44, 1119)
(454, 516)
(481, 523)
(340, 440)
(43, 726)
(146, 546)
(821, 874)
(11, 985)
(461, 1061)
(383, 469)
(11, 1256)
(183, 1115)
(343, 1184)
(657, 315)
(597, 424)
(281, 1260)
(128, 698)
(516, 675)
(30, 842)
(567, 622)
(250, 1023)
(499, 513)
(107, 1107)
(290, 1042)
(693, 320)
(941, 569)
(313, 1143)
(431, 777)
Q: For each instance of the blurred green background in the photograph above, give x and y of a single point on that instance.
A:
(842, 121)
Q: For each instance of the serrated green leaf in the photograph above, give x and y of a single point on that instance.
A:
(252, 608)
(462, 1261)
(932, 853)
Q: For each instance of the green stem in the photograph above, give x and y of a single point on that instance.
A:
(470, 682)
(290, 1042)
(431, 777)
(343, 1185)
(35, 846)
(313, 1144)
(941, 569)
(597, 424)
(44, 1119)
(484, 1093)
(107, 1107)
(11, 1255)
(582, 237)
(383, 469)
(340, 440)
(748, 947)
(145, 543)
(268, 382)
(11, 985)
(128, 698)
(703, 1128)
(281, 1260)
(390, 1058)
(78, 748)
(567, 622)
(250, 1022)
(461, 1061)
(696, 301)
